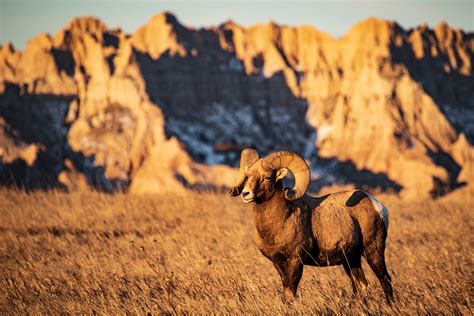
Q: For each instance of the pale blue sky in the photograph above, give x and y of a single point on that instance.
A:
(22, 19)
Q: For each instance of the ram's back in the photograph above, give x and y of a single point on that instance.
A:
(340, 221)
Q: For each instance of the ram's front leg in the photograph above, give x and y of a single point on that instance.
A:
(290, 271)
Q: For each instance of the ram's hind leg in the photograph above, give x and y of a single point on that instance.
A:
(376, 261)
(356, 275)
(351, 277)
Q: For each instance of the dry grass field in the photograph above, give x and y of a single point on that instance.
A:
(89, 252)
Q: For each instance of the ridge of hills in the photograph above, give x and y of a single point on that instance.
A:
(171, 107)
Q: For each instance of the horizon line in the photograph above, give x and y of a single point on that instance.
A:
(230, 20)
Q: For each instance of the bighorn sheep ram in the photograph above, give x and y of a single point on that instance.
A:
(294, 229)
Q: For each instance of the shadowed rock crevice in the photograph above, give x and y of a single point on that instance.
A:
(331, 171)
(64, 60)
(446, 161)
(38, 120)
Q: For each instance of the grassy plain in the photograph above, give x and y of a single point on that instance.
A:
(187, 252)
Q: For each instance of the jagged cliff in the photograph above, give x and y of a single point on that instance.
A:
(381, 106)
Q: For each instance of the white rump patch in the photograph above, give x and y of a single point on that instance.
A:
(381, 209)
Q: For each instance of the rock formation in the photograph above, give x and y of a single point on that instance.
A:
(12, 148)
(159, 108)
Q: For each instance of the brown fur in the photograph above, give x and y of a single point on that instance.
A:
(335, 229)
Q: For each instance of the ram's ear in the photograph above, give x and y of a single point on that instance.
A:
(281, 173)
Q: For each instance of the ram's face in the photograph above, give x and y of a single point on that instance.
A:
(259, 178)
(260, 184)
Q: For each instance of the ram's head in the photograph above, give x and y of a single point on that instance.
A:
(260, 177)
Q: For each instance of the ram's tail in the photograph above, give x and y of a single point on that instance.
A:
(381, 209)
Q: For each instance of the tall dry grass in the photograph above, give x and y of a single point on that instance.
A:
(90, 252)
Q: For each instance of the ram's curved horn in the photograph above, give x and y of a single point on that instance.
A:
(247, 158)
(296, 165)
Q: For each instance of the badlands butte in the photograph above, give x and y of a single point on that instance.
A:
(170, 107)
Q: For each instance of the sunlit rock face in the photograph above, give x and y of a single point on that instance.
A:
(155, 109)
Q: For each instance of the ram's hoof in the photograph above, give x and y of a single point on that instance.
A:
(289, 296)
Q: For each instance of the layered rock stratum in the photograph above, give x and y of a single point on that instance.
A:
(170, 107)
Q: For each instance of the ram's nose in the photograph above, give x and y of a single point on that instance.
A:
(247, 196)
